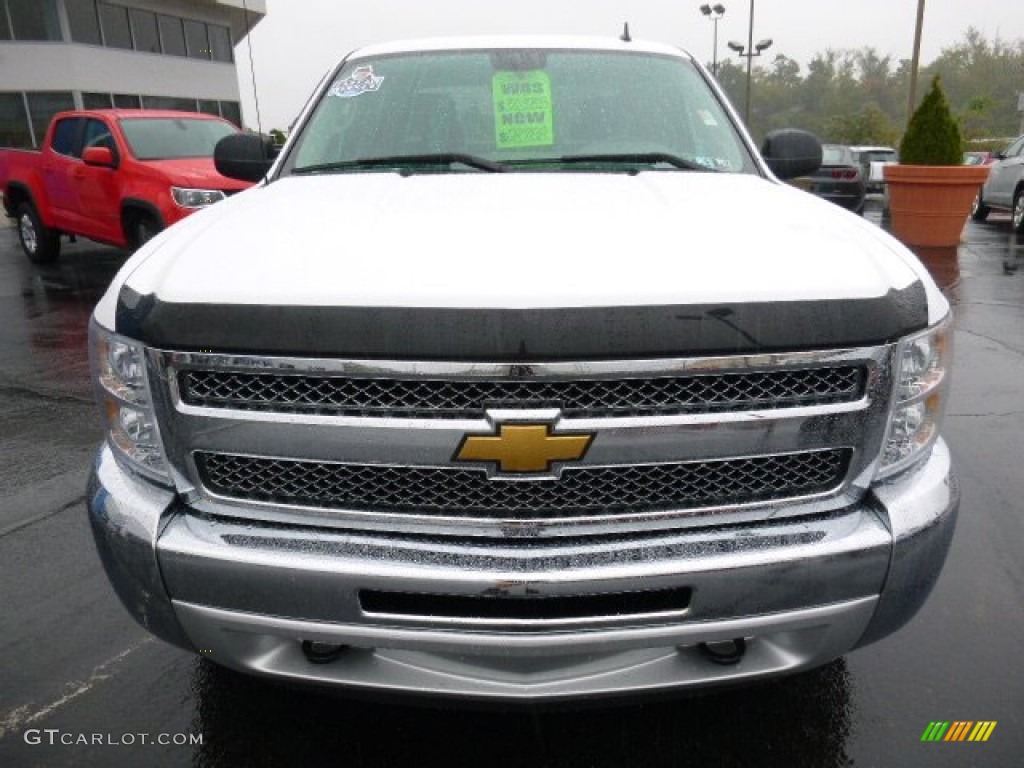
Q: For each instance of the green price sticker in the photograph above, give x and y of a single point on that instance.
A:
(522, 110)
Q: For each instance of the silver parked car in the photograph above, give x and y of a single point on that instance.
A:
(1005, 186)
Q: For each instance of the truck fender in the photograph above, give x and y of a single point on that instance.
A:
(133, 207)
(133, 204)
(19, 192)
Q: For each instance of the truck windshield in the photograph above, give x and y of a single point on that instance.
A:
(519, 109)
(168, 138)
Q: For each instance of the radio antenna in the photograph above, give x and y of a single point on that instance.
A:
(252, 68)
(625, 34)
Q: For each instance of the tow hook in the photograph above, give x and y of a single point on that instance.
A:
(725, 652)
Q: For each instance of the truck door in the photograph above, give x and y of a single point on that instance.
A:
(1004, 175)
(58, 162)
(99, 203)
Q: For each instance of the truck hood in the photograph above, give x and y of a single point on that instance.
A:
(197, 173)
(527, 245)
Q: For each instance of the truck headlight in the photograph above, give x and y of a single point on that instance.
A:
(922, 384)
(196, 198)
(119, 377)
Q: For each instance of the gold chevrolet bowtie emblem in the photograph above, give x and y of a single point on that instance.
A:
(523, 448)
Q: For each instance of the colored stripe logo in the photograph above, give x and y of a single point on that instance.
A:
(959, 730)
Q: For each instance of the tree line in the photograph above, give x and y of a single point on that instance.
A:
(860, 97)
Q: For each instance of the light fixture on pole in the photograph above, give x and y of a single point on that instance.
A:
(749, 51)
(714, 13)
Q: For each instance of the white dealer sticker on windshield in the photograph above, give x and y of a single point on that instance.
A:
(707, 118)
(361, 81)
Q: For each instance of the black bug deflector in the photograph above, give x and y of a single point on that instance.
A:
(498, 335)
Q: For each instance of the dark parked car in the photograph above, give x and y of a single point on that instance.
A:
(838, 180)
(1005, 186)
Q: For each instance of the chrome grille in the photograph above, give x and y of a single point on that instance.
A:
(453, 398)
(468, 492)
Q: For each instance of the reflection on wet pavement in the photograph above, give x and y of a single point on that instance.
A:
(46, 310)
(800, 721)
(943, 264)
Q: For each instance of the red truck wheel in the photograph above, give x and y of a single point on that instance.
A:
(141, 228)
(40, 243)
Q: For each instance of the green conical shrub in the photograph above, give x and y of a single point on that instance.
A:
(933, 136)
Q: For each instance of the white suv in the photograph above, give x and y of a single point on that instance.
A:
(872, 160)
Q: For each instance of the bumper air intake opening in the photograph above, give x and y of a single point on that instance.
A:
(322, 653)
(725, 652)
(527, 608)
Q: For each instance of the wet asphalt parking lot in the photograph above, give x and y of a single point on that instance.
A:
(73, 664)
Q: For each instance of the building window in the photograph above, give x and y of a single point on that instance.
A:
(169, 102)
(96, 101)
(126, 101)
(220, 43)
(43, 105)
(209, 107)
(14, 130)
(231, 110)
(84, 23)
(144, 31)
(94, 22)
(197, 40)
(172, 35)
(5, 27)
(116, 31)
(34, 19)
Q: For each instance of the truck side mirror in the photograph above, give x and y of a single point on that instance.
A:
(100, 157)
(244, 156)
(791, 153)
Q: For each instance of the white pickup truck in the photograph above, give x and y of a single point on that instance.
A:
(872, 162)
(520, 375)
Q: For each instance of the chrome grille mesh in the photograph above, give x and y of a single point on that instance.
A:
(469, 493)
(467, 398)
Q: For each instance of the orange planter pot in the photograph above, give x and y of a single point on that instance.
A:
(930, 203)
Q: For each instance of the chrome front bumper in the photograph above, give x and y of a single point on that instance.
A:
(802, 591)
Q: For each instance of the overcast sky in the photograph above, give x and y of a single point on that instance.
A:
(300, 39)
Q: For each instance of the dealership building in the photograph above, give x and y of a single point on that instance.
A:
(91, 54)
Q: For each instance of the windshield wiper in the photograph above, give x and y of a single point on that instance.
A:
(636, 158)
(405, 162)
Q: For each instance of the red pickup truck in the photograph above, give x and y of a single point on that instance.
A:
(117, 176)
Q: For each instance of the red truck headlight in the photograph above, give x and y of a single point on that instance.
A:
(196, 198)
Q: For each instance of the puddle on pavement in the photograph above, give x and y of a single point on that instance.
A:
(942, 263)
(248, 721)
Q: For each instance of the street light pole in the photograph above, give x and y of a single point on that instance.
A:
(714, 13)
(915, 61)
(749, 51)
(714, 52)
(750, 63)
